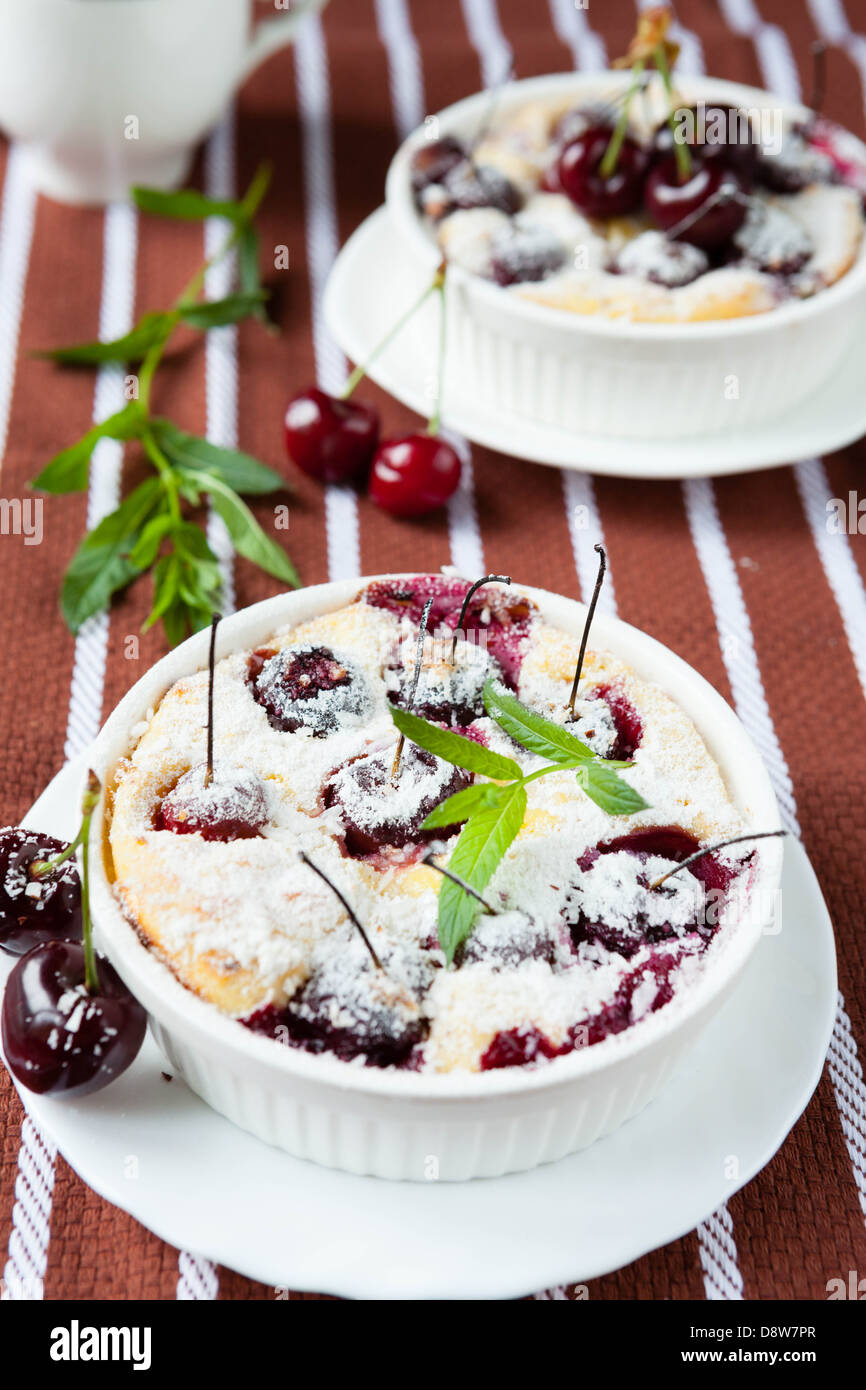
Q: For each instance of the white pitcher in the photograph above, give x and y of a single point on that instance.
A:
(106, 93)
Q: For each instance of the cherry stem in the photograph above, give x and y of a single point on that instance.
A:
(354, 920)
(436, 418)
(819, 76)
(487, 579)
(41, 868)
(681, 149)
(208, 771)
(429, 859)
(419, 656)
(599, 580)
(611, 154)
(88, 804)
(361, 371)
(711, 849)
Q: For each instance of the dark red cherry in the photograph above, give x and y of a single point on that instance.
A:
(351, 1009)
(522, 255)
(57, 1038)
(309, 687)
(33, 910)
(670, 202)
(231, 807)
(468, 185)
(713, 132)
(580, 177)
(414, 474)
(433, 160)
(517, 1047)
(331, 439)
(376, 811)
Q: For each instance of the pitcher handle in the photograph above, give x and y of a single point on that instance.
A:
(271, 34)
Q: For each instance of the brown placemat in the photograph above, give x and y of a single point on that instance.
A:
(800, 1223)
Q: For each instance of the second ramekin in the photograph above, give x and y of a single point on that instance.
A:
(591, 375)
(406, 1125)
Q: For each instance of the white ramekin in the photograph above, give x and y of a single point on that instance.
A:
(597, 376)
(401, 1124)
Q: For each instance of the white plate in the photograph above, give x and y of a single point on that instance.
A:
(204, 1185)
(374, 280)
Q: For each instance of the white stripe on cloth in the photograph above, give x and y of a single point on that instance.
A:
(31, 1216)
(314, 101)
(16, 238)
(831, 22)
(584, 525)
(780, 74)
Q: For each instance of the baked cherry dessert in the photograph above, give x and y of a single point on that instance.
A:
(69, 1024)
(646, 209)
(36, 907)
(503, 891)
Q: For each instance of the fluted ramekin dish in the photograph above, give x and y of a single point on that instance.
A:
(593, 375)
(397, 1124)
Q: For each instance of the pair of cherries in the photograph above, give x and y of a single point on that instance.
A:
(700, 200)
(336, 440)
(70, 1026)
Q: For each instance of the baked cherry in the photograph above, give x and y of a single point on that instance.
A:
(309, 687)
(705, 209)
(231, 806)
(712, 132)
(330, 438)
(414, 474)
(36, 908)
(597, 194)
(378, 810)
(467, 185)
(59, 1038)
(433, 160)
(350, 1008)
(522, 255)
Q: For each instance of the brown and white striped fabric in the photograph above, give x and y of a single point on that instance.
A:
(740, 576)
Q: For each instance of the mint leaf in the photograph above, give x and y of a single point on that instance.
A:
(483, 843)
(249, 276)
(462, 805)
(606, 788)
(101, 564)
(187, 205)
(247, 536)
(150, 330)
(454, 748)
(537, 734)
(214, 313)
(237, 470)
(69, 470)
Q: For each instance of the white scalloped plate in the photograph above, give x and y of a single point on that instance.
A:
(206, 1186)
(374, 280)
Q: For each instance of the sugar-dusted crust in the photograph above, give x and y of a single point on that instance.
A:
(244, 924)
(522, 145)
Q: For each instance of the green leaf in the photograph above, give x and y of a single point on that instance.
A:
(237, 470)
(150, 330)
(101, 564)
(462, 805)
(187, 204)
(249, 275)
(68, 471)
(214, 313)
(247, 536)
(532, 730)
(483, 843)
(454, 748)
(146, 548)
(606, 788)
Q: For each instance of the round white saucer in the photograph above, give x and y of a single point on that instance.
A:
(156, 1150)
(374, 280)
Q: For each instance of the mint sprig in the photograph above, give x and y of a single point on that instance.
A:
(150, 531)
(493, 811)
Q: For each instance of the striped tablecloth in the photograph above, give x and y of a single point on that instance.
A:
(741, 577)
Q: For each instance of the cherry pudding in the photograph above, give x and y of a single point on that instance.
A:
(36, 908)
